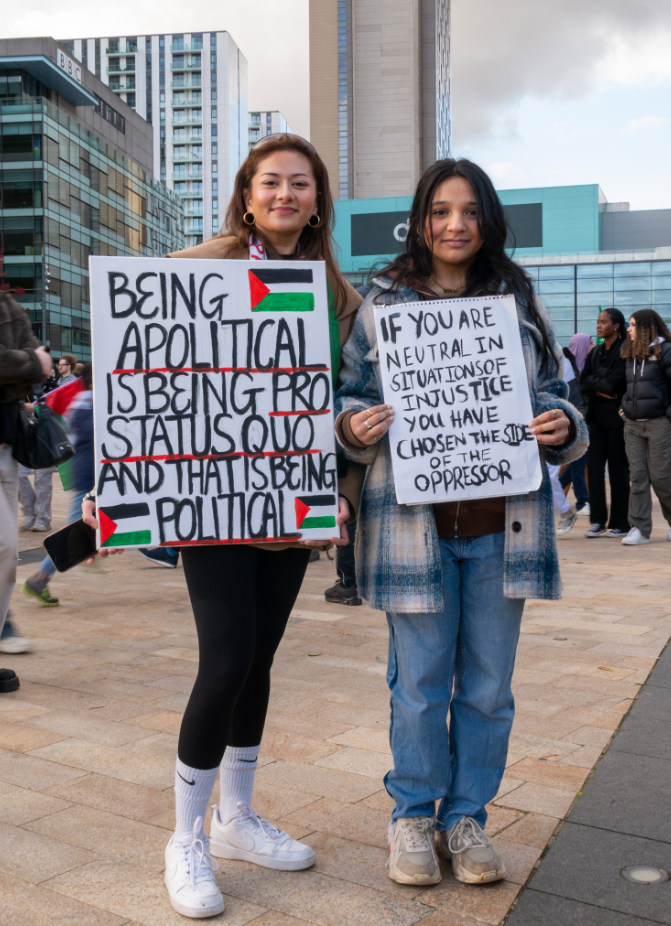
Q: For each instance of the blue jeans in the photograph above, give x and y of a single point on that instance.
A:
(458, 663)
(47, 568)
(575, 473)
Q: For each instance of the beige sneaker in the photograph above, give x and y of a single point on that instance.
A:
(474, 860)
(412, 851)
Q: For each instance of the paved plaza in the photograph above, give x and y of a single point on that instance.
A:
(88, 743)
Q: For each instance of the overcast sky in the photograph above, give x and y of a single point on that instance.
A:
(543, 93)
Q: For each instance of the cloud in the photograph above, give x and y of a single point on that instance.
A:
(648, 122)
(504, 52)
(271, 34)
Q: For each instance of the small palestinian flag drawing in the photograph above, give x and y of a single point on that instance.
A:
(311, 511)
(131, 518)
(281, 290)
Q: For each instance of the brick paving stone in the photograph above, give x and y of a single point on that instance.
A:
(87, 744)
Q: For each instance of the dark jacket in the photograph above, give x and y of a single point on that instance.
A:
(80, 424)
(604, 371)
(20, 366)
(648, 389)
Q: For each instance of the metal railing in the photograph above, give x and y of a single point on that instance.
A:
(117, 69)
(179, 48)
(193, 84)
(189, 120)
(191, 66)
(121, 49)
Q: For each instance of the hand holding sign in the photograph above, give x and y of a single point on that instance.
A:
(372, 424)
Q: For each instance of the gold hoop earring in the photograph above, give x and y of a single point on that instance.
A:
(244, 218)
(317, 223)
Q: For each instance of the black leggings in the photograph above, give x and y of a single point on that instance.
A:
(241, 597)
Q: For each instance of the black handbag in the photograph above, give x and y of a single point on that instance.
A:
(40, 440)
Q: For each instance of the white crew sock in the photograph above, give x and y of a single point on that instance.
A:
(237, 779)
(193, 790)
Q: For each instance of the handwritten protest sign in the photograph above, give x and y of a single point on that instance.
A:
(212, 401)
(454, 372)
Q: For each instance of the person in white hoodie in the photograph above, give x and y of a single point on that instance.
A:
(646, 409)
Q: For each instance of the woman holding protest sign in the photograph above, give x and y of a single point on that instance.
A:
(452, 577)
(242, 594)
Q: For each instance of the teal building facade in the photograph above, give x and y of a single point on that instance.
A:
(582, 252)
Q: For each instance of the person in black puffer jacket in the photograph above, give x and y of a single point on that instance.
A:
(646, 409)
(603, 384)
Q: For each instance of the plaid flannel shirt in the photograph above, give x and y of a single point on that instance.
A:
(398, 561)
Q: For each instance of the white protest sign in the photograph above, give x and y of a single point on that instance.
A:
(213, 401)
(453, 370)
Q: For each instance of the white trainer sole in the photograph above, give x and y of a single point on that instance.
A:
(467, 877)
(225, 850)
(190, 912)
(402, 878)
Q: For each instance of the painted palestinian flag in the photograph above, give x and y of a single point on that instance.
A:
(282, 290)
(131, 518)
(311, 511)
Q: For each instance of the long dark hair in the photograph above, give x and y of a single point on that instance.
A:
(314, 243)
(492, 266)
(649, 328)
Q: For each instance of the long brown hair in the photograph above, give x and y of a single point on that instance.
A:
(649, 327)
(314, 243)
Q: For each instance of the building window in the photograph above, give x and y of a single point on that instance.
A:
(256, 118)
(213, 78)
(196, 42)
(130, 100)
(213, 94)
(215, 186)
(215, 167)
(214, 114)
(213, 40)
(214, 131)
(214, 150)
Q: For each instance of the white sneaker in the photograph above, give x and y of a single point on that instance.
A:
(584, 510)
(412, 851)
(15, 645)
(27, 525)
(566, 522)
(474, 859)
(189, 875)
(249, 837)
(634, 537)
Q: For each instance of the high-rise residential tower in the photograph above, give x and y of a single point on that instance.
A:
(266, 122)
(192, 88)
(379, 92)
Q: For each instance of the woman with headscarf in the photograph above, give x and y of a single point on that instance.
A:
(576, 355)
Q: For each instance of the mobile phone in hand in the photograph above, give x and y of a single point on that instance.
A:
(71, 545)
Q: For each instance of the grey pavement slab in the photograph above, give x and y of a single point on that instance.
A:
(661, 674)
(643, 737)
(632, 795)
(653, 703)
(538, 909)
(584, 864)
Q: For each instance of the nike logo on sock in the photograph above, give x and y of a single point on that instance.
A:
(184, 779)
(245, 760)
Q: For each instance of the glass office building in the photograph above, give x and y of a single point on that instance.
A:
(582, 252)
(74, 182)
(192, 88)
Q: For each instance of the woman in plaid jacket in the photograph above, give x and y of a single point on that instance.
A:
(452, 577)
